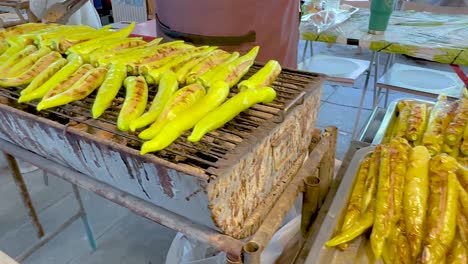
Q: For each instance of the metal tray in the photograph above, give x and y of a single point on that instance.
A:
(389, 120)
(358, 251)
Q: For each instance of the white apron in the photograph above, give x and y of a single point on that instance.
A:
(275, 23)
(86, 15)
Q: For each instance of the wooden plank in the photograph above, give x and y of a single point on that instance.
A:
(5, 259)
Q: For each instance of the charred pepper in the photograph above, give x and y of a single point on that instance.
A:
(210, 64)
(14, 59)
(433, 138)
(417, 122)
(65, 84)
(454, 132)
(45, 75)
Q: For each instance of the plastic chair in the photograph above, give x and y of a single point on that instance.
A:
(419, 80)
(342, 70)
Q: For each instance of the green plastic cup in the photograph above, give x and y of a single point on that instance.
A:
(380, 12)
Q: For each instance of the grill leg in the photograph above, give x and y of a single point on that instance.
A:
(18, 178)
(363, 96)
(84, 218)
(310, 201)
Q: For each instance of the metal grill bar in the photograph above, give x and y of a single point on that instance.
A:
(203, 155)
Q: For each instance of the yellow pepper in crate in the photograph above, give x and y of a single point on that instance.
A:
(459, 252)
(230, 109)
(433, 137)
(416, 194)
(456, 128)
(442, 212)
(417, 122)
(65, 84)
(78, 91)
(187, 119)
(74, 62)
(167, 87)
(134, 105)
(264, 77)
(109, 88)
(27, 76)
(179, 102)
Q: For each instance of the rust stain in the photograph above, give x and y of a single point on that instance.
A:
(165, 181)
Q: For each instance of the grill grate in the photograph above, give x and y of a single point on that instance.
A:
(206, 154)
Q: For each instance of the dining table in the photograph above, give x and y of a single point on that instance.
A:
(441, 38)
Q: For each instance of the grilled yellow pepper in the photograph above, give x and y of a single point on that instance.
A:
(459, 252)
(167, 87)
(210, 64)
(105, 59)
(3, 46)
(154, 75)
(234, 71)
(187, 119)
(182, 72)
(90, 45)
(370, 185)
(433, 138)
(46, 74)
(416, 194)
(27, 62)
(109, 88)
(80, 90)
(23, 29)
(389, 193)
(66, 84)
(27, 76)
(74, 62)
(264, 77)
(14, 59)
(134, 105)
(358, 227)
(230, 109)
(63, 43)
(179, 102)
(454, 132)
(118, 44)
(404, 110)
(464, 145)
(8, 53)
(442, 213)
(417, 122)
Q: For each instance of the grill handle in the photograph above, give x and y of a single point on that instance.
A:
(297, 101)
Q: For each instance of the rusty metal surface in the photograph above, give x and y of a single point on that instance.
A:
(206, 181)
(133, 203)
(23, 191)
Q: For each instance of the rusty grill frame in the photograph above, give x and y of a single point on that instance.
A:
(206, 159)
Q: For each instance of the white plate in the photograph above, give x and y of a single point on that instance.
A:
(425, 79)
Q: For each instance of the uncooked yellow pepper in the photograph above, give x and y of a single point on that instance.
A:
(230, 109)
(187, 119)
(264, 77)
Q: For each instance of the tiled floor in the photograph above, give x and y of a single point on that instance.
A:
(122, 236)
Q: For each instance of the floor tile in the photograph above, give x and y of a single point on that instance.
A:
(350, 96)
(342, 117)
(327, 91)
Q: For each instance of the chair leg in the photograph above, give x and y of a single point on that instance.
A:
(311, 48)
(363, 96)
(305, 50)
(376, 77)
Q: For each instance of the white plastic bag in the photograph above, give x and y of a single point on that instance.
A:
(187, 251)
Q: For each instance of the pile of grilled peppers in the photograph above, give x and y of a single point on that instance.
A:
(413, 206)
(58, 64)
(442, 128)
